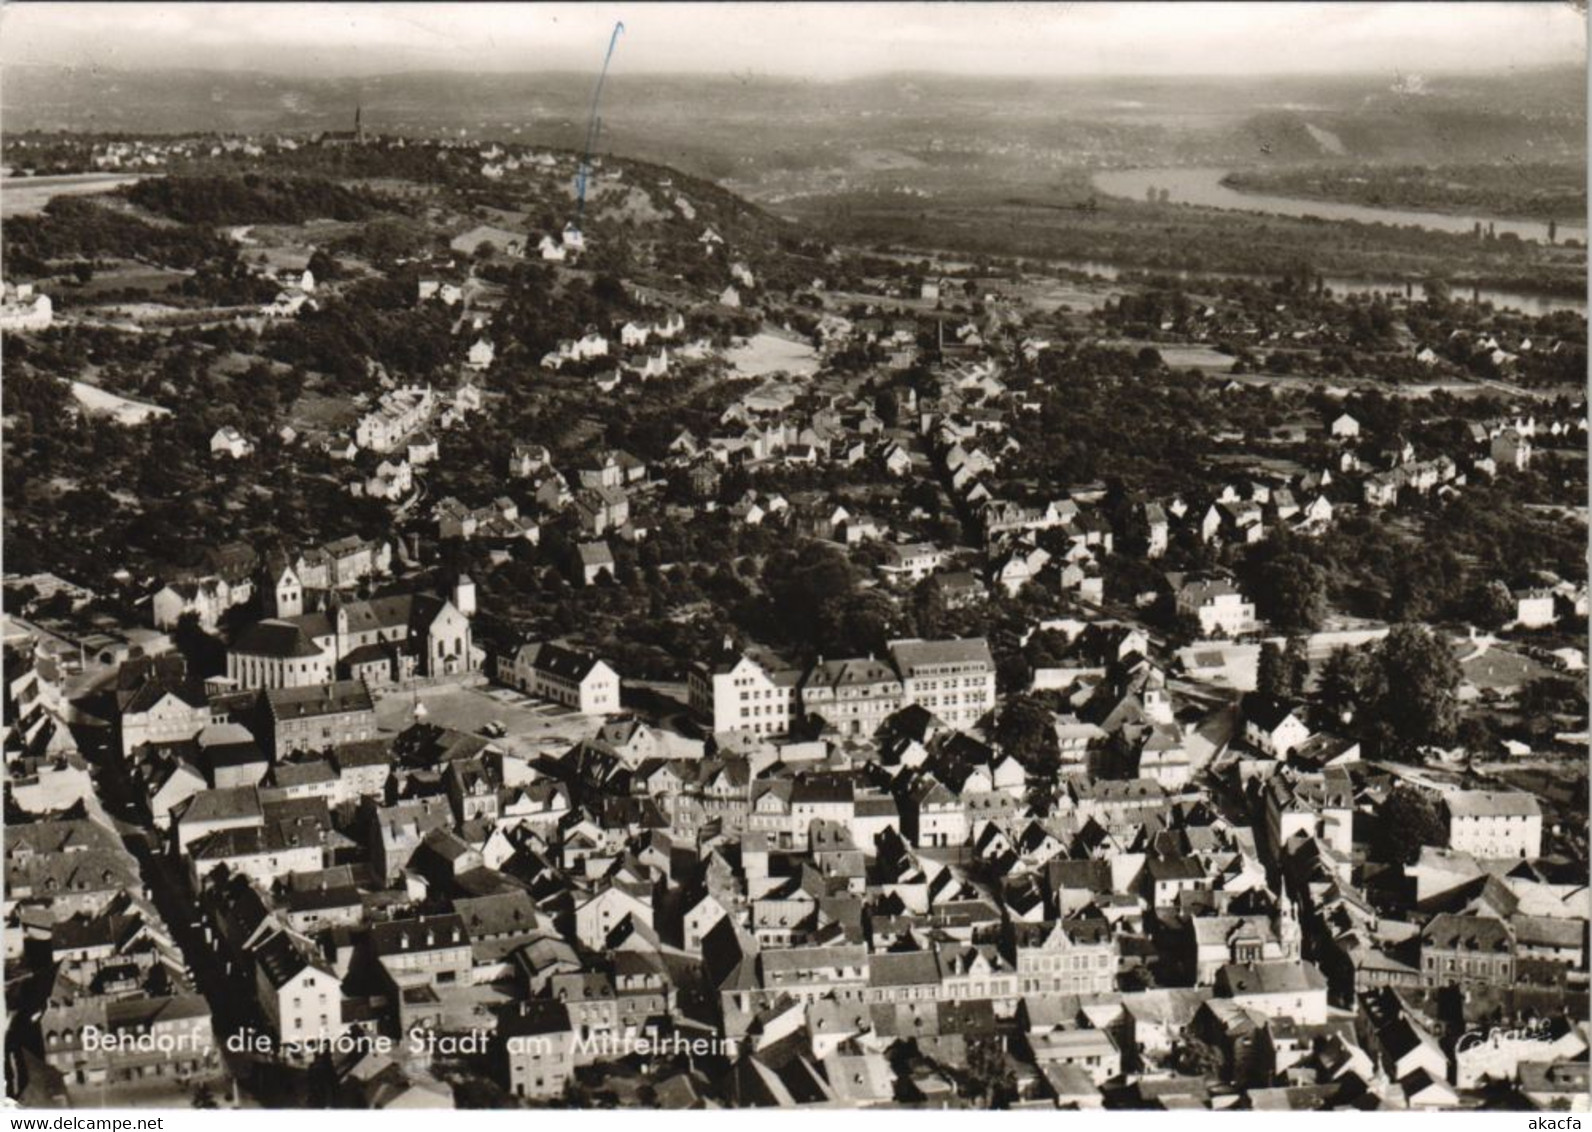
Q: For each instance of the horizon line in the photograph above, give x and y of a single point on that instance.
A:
(750, 72)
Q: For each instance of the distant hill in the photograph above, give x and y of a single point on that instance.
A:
(745, 127)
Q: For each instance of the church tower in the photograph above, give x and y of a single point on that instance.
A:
(464, 595)
(359, 125)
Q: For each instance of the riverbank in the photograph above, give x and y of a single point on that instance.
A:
(1525, 192)
(1116, 239)
(27, 196)
(1206, 187)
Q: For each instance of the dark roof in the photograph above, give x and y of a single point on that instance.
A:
(282, 958)
(1467, 933)
(366, 752)
(1282, 976)
(279, 639)
(319, 699)
(564, 663)
(903, 968)
(1263, 711)
(422, 933)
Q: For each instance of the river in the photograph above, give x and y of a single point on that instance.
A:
(1203, 186)
(23, 196)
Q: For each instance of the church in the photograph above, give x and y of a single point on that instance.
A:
(386, 641)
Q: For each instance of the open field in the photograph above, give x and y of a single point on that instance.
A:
(122, 410)
(771, 353)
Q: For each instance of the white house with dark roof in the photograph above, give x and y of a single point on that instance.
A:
(1219, 607)
(563, 675)
(1273, 727)
(299, 995)
(1284, 988)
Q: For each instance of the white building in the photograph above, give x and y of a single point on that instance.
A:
(741, 694)
(1494, 824)
(574, 679)
(1289, 988)
(230, 441)
(1511, 449)
(1219, 607)
(1534, 609)
(954, 679)
(23, 309)
(302, 1000)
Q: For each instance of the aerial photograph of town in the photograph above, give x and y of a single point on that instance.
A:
(700, 557)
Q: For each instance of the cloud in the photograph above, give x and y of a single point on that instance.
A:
(821, 40)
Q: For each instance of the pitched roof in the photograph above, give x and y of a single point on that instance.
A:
(276, 639)
(1492, 803)
(319, 699)
(1283, 976)
(911, 655)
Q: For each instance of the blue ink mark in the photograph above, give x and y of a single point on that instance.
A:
(592, 125)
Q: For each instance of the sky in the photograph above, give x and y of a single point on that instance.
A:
(811, 40)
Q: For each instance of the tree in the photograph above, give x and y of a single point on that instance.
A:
(1408, 820)
(887, 407)
(990, 1080)
(1270, 679)
(928, 608)
(1282, 672)
(322, 265)
(1490, 605)
(1296, 662)
(1026, 730)
(1341, 685)
(1290, 591)
(1417, 687)
(1196, 1057)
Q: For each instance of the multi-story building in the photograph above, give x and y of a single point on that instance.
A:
(98, 1040)
(911, 562)
(1075, 957)
(852, 696)
(953, 679)
(162, 711)
(299, 995)
(320, 716)
(538, 1050)
(206, 598)
(808, 974)
(399, 412)
(1467, 951)
(1492, 824)
(1218, 606)
(433, 950)
(743, 693)
(1285, 988)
